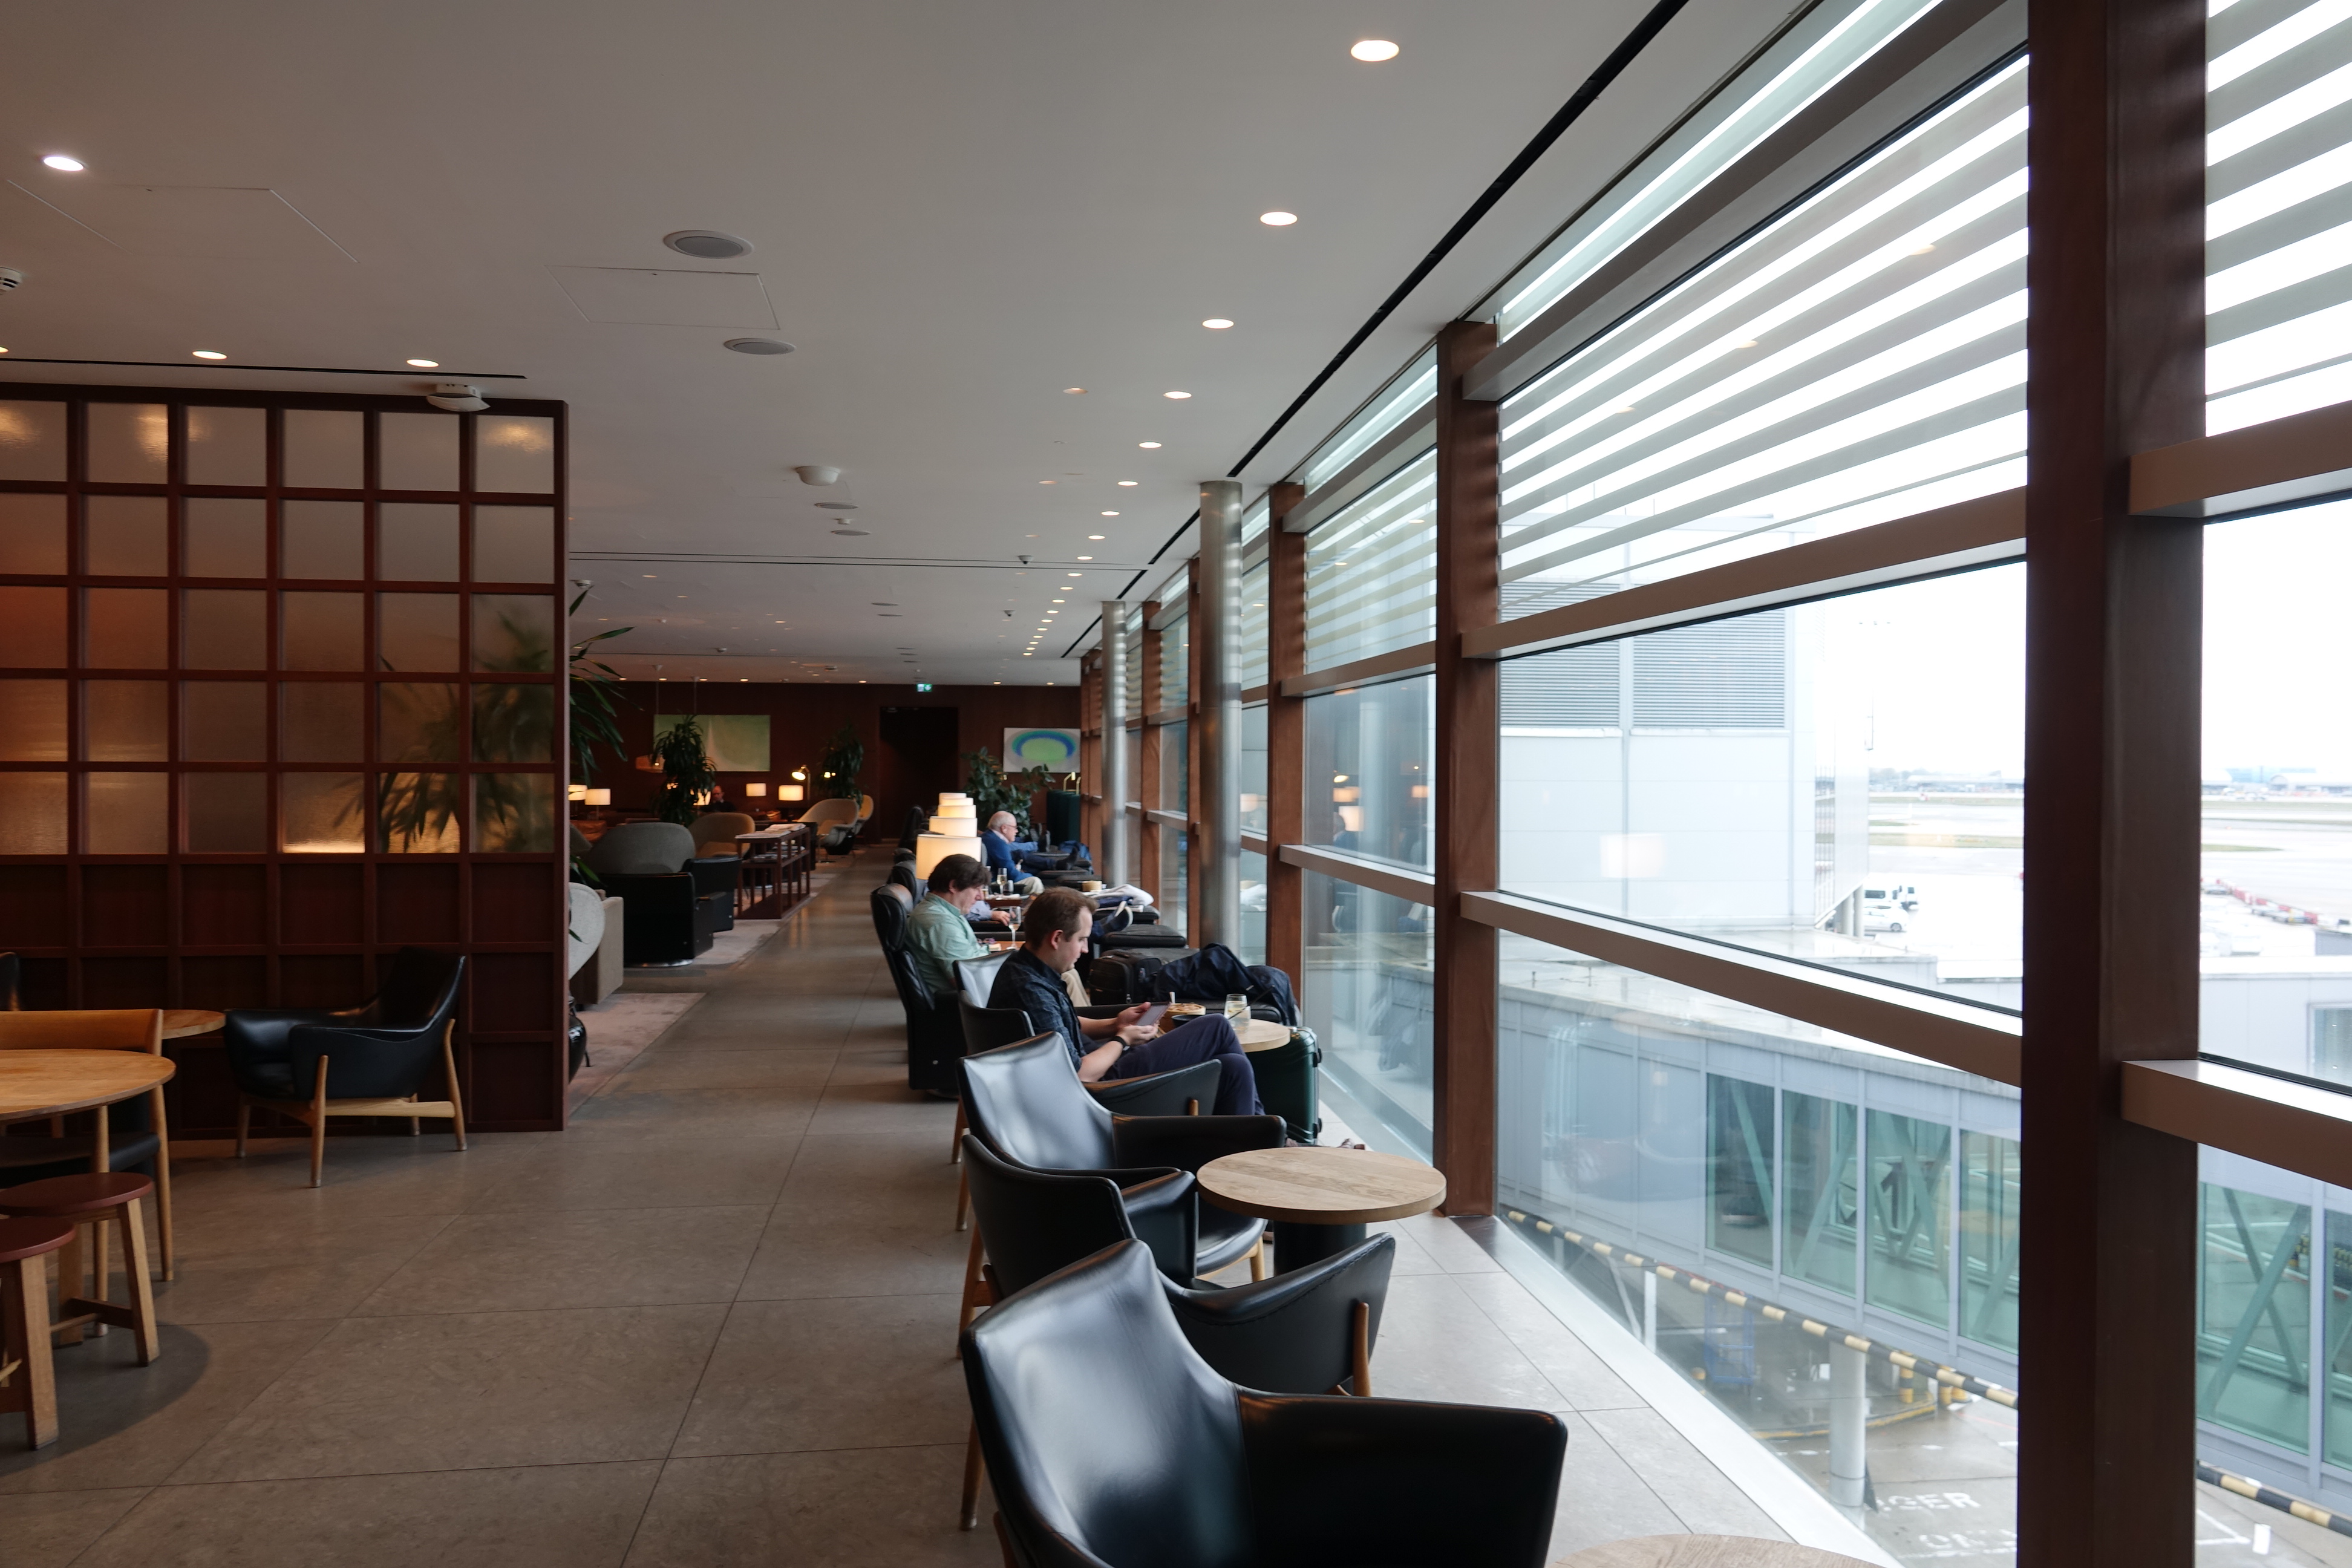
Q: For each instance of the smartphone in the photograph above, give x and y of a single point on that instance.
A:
(1152, 1015)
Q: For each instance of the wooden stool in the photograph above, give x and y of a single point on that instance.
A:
(28, 1381)
(92, 1200)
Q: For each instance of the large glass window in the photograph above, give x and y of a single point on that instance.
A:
(1252, 946)
(1254, 802)
(1252, 629)
(1742, 1191)
(1371, 571)
(1175, 667)
(1840, 781)
(1368, 780)
(2275, 910)
(1366, 993)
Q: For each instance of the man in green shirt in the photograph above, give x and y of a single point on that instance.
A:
(939, 931)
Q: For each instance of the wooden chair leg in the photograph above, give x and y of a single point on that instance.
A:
(1257, 1260)
(972, 1286)
(164, 1186)
(134, 1270)
(244, 1116)
(31, 1387)
(72, 1266)
(1362, 1336)
(955, 1138)
(449, 1066)
(969, 1517)
(319, 1123)
(963, 1201)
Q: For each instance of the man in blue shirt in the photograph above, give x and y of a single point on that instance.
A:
(997, 845)
(1053, 934)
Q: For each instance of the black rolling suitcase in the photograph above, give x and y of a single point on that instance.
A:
(1285, 1083)
(1122, 976)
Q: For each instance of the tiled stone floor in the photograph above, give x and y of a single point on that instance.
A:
(711, 1324)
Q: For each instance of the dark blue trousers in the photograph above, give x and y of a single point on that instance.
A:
(1206, 1038)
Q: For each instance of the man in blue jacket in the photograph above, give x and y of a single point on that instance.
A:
(997, 843)
(1053, 934)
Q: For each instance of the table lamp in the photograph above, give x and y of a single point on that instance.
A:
(790, 791)
(930, 849)
(755, 789)
(598, 797)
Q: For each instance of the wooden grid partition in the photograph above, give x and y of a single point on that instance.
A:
(280, 691)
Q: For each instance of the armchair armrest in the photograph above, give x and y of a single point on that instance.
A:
(362, 1063)
(1295, 1334)
(652, 890)
(1166, 1218)
(259, 1033)
(1189, 1143)
(715, 873)
(1380, 1481)
(1160, 1093)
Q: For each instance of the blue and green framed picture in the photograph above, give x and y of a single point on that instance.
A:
(1056, 750)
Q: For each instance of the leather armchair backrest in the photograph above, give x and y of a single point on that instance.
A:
(1107, 1438)
(642, 849)
(580, 847)
(986, 1028)
(865, 808)
(361, 1063)
(1035, 1222)
(833, 808)
(1025, 1101)
(891, 907)
(421, 987)
(718, 829)
(903, 873)
(978, 976)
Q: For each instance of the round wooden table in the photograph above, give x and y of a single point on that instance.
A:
(35, 1084)
(1320, 1199)
(186, 1023)
(1706, 1552)
(1255, 1034)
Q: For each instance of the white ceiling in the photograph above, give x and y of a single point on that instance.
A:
(959, 210)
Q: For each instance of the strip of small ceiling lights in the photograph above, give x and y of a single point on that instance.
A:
(1627, 50)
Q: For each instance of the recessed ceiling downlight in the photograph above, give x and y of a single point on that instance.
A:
(759, 345)
(426, 363)
(208, 353)
(1277, 220)
(64, 163)
(709, 244)
(1372, 51)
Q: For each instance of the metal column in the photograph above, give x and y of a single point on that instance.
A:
(1849, 1426)
(1216, 793)
(1118, 833)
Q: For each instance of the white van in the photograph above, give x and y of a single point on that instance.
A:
(1887, 906)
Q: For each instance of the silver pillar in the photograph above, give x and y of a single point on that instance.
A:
(1216, 793)
(1118, 833)
(1849, 1426)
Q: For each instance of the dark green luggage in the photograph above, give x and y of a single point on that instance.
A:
(1285, 1083)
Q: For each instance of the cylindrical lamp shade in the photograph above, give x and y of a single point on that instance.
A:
(930, 849)
(755, 789)
(954, 827)
(790, 792)
(599, 797)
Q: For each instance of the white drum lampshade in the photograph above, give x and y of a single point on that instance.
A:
(598, 797)
(930, 849)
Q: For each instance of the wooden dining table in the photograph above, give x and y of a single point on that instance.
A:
(36, 1086)
(1320, 1199)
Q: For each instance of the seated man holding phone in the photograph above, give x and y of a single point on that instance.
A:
(1053, 935)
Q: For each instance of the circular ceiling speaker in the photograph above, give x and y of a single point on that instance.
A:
(837, 506)
(760, 345)
(708, 244)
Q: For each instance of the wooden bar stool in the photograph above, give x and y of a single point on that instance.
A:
(93, 1200)
(28, 1381)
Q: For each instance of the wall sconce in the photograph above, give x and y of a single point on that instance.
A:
(755, 789)
(790, 791)
(598, 797)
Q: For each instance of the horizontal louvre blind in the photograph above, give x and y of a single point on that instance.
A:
(1175, 665)
(1138, 701)
(1371, 571)
(2278, 217)
(1568, 689)
(1724, 675)
(1860, 358)
(1252, 627)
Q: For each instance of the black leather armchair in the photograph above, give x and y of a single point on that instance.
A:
(372, 1060)
(672, 902)
(1113, 1444)
(1181, 1092)
(1307, 1331)
(1024, 1101)
(934, 1033)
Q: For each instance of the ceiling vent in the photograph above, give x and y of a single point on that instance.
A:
(708, 244)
